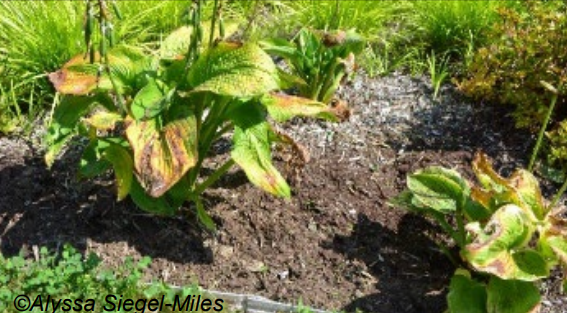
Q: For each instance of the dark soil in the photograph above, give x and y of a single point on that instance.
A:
(336, 245)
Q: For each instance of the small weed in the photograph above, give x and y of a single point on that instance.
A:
(438, 71)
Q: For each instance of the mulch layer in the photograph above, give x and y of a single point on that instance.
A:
(336, 244)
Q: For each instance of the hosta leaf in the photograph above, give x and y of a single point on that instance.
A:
(486, 175)
(282, 107)
(176, 43)
(475, 211)
(123, 168)
(528, 189)
(554, 236)
(512, 296)
(149, 101)
(65, 119)
(162, 156)
(174, 46)
(79, 77)
(160, 205)
(466, 295)
(280, 47)
(498, 248)
(405, 199)
(522, 188)
(437, 188)
(235, 70)
(92, 164)
(103, 120)
(251, 149)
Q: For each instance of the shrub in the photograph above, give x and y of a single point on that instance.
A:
(526, 47)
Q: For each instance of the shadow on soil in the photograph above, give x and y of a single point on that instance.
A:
(410, 273)
(50, 208)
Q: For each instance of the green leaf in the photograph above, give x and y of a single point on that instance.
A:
(512, 296)
(149, 101)
(123, 168)
(65, 119)
(233, 70)
(251, 149)
(176, 43)
(92, 164)
(282, 107)
(500, 247)
(475, 211)
(553, 238)
(437, 188)
(160, 205)
(466, 295)
(163, 156)
(280, 47)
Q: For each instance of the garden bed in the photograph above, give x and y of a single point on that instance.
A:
(336, 245)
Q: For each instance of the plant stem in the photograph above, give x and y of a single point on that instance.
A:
(558, 195)
(541, 132)
(440, 218)
(214, 177)
(448, 253)
(213, 23)
(461, 229)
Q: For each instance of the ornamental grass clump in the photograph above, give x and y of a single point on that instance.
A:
(154, 117)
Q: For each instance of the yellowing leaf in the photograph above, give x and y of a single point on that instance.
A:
(498, 247)
(486, 175)
(234, 70)
(251, 149)
(162, 157)
(79, 77)
(123, 168)
(522, 188)
(103, 120)
(555, 236)
(72, 82)
(282, 107)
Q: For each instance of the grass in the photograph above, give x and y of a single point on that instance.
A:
(37, 37)
(451, 26)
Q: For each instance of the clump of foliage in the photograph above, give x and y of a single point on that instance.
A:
(154, 118)
(509, 236)
(526, 47)
(319, 61)
(69, 275)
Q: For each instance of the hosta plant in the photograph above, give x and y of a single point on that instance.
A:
(508, 235)
(319, 61)
(154, 117)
